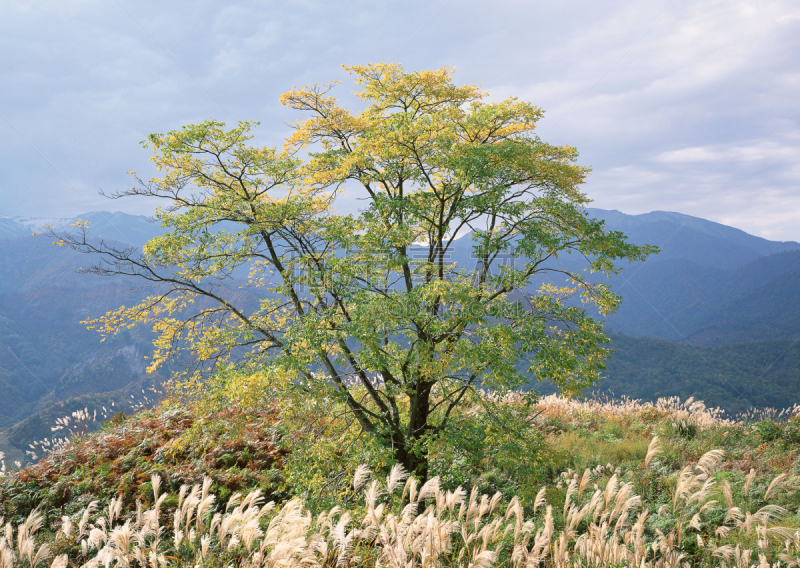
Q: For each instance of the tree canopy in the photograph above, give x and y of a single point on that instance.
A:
(343, 305)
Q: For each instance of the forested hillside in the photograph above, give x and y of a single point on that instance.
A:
(709, 285)
(736, 377)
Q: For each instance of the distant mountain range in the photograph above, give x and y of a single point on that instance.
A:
(683, 237)
(120, 227)
(710, 287)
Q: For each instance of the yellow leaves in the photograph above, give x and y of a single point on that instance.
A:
(557, 292)
(422, 124)
(390, 87)
(309, 97)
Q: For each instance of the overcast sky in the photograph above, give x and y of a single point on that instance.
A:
(688, 106)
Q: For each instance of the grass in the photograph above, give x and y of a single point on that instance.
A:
(587, 434)
(599, 520)
(622, 484)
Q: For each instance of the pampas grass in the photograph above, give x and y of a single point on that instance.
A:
(398, 524)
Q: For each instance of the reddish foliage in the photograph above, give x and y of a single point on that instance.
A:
(233, 447)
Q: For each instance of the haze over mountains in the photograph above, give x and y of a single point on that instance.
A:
(711, 287)
(710, 284)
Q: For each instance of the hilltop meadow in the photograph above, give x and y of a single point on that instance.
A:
(605, 483)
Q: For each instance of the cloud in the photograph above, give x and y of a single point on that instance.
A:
(751, 184)
(663, 99)
(757, 152)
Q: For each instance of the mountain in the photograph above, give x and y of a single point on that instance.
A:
(709, 285)
(50, 364)
(681, 301)
(120, 227)
(699, 241)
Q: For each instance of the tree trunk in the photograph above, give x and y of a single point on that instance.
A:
(414, 459)
(407, 448)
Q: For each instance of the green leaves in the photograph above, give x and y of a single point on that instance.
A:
(342, 300)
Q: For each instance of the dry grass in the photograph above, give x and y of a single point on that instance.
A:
(643, 508)
(83, 421)
(400, 524)
(690, 411)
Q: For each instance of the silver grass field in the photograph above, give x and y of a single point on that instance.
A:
(399, 523)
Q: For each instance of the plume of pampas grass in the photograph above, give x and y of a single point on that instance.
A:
(652, 451)
(360, 477)
(775, 483)
(397, 475)
(709, 461)
(750, 477)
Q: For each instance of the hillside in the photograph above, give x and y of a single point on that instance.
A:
(678, 300)
(45, 353)
(637, 482)
(50, 364)
(736, 377)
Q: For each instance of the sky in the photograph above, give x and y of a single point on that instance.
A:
(687, 106)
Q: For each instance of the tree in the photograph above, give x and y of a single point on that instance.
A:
(346, 302)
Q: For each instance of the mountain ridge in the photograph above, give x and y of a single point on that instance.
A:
(763, 246)
(117, 226)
